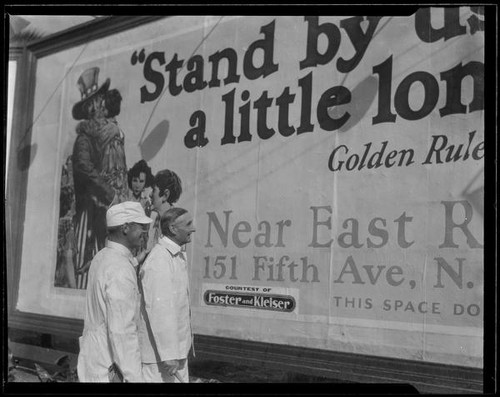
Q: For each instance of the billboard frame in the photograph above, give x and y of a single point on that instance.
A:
(426, 377)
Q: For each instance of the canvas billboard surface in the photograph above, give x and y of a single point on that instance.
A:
(334, 167)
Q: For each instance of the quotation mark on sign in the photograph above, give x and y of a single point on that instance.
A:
(138, 58)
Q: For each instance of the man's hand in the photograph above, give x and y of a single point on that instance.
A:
(141, 257)
(182, 364)
(171, 366)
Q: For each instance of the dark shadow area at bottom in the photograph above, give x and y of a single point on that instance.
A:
(232, 373)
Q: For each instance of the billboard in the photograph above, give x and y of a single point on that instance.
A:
(333, 165)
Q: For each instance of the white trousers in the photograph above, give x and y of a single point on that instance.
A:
(154, 374)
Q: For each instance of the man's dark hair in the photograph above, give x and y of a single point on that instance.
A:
(166, 179)
(113, 230)
(135, 172)
(169, 217)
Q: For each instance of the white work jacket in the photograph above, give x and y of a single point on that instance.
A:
(111, 317)
(164, 277)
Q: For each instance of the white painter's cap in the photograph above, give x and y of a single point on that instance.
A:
(126, 212)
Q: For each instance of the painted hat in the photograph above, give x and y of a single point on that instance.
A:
(89, 87)
(126, 212)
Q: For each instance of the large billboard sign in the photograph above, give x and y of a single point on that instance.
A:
(334, 167)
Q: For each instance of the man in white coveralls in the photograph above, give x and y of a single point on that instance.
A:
(165, 326)
(109, 346)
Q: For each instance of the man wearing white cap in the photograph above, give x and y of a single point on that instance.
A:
(109, 346)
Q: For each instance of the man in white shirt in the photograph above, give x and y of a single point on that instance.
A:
(109, 346)
(165, 335)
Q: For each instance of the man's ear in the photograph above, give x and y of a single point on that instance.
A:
(166, 195)
(125, 228)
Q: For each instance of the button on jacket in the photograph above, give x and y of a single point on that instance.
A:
(111, 317)
(164, 277)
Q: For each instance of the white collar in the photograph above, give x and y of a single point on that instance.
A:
(170, 245)
(122, 249)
